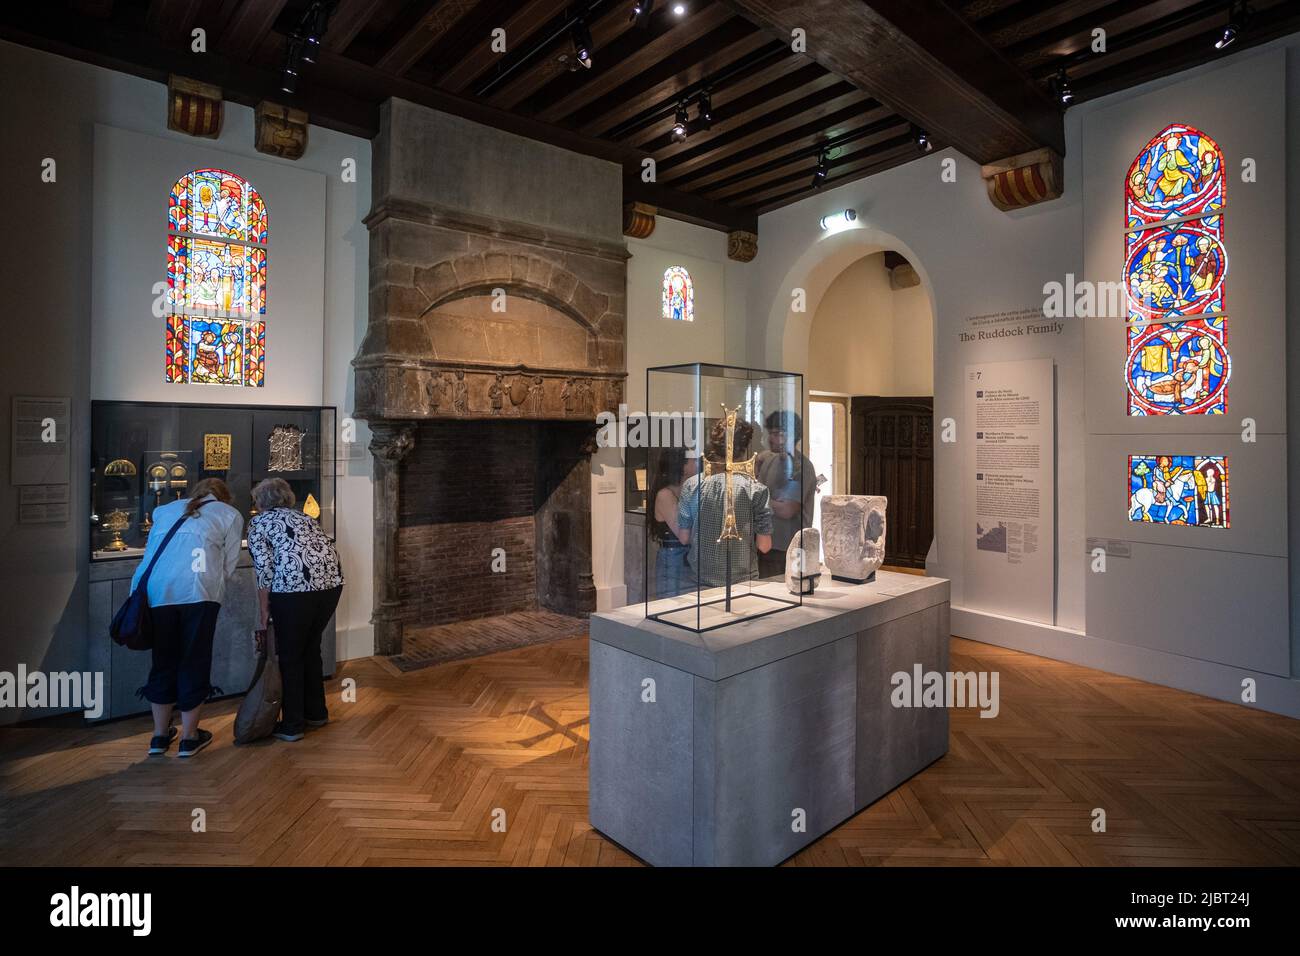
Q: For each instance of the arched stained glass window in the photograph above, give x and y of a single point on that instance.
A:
(216, 280)
(679, 294)
(1175, 273)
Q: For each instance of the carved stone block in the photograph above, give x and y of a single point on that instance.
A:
(853, 529)
(280, 130)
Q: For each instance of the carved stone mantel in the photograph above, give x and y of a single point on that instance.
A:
(390, 442)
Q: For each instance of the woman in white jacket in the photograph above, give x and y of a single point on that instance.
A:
(186, 589)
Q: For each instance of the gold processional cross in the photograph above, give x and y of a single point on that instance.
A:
(728, 468)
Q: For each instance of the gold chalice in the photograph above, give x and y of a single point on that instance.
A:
(117, 522)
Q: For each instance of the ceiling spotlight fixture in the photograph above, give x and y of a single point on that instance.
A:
(839, 220)
(1238, 14)
(292, 57)
(705, 104)
(582, 46)
(922, 139)
(679, 124)
(679, 9)
(820, 173)
(304, 42)
(641, 11)
(1062, 85)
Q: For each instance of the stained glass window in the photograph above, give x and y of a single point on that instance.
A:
(1179, 489)
(1175, 273)
(216, 280)
(679, 294)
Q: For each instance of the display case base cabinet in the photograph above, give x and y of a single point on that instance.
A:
(749, 768)
(233, 658)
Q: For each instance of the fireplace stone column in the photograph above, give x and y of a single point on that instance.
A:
(389, 444)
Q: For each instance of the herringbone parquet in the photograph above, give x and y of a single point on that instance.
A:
(412, 772)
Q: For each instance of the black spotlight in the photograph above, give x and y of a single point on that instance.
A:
(706, 110)
(641, 11)
(1062, 85)
(1238, 15)
(292, 58)
(679, 125)
(922, 139)
(822, 170)
(582, 47)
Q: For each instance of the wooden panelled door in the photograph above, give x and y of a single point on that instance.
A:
(891, 453)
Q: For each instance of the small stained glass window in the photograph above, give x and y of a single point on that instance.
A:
(678, 295)
(215, 330)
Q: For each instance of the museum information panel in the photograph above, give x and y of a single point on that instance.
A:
(1008, 437)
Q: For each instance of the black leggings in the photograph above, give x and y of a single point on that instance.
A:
(182, 654)
(299, 619)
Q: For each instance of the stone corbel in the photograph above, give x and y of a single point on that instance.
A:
(742, 246)
(193, 107)
(638, 220)
(1024, 180)
(390, 442)
(280, 130)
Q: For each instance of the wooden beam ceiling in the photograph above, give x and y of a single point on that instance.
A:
(975, 74)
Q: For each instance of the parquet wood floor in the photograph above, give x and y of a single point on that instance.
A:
(411, 773)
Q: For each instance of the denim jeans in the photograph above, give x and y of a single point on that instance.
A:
(672, 573)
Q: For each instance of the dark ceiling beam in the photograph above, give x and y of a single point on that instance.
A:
(347, 20)
(927, 63)
(896, 157)
(1267, 25)
(799, 163)
(765, 66)
(418, 41)
(737, 113)
(173, 19)
(247, 27)
(1075, 36)
(810, 141)
(634, 55)
(812, 116)
(679, 69)
(541, 66)
(520, 27)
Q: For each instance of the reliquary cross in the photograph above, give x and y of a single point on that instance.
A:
(728, 468)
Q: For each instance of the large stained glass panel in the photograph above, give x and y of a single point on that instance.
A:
(1179, 173)
(678, 295)
(216, 277)
(1175, 276)
(1179, 489)
(1179, 368)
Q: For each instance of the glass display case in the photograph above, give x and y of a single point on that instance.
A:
(146, 454)
(724, 497)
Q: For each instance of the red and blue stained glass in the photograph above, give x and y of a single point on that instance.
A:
(216, 265)
(1179, 173)
(1179, 489)
(1175, 276)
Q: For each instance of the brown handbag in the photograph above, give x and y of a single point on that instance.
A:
(260, 708)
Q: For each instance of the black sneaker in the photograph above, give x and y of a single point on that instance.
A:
(317, 723)
(192, 745)
(280, 733)
(159, 745)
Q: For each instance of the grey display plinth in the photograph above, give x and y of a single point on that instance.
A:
(760, 737)
(233, 660)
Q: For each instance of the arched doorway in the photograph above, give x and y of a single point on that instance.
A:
(865, 344)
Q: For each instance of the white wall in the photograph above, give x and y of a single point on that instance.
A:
(653, 340)
(868, 339)
(976, 260)
(49, 107)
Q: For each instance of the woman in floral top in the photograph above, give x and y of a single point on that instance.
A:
(299, 581)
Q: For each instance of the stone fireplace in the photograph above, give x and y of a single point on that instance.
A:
(495, 336)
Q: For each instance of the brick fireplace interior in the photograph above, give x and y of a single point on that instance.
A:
(468, 488)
